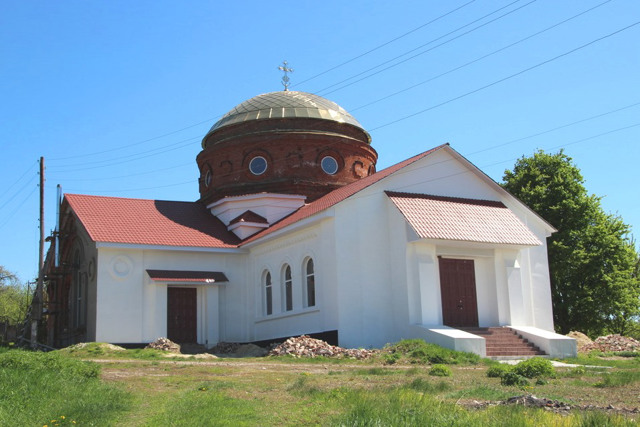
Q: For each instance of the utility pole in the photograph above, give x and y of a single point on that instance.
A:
(36, 304)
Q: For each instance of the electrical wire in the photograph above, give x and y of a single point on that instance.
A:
(17, 208)
(506, 78)
(566, 53)
(324, 93)
(484, 166)
(479, 58)
(122, 147)
(140, 189)
(18, 192)
(131, 158)
(556, 128)
(384, 44)
(7, 189)
(129, 175)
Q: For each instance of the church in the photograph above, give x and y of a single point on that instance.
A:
(296, 232)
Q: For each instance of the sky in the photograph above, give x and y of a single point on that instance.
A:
(117, 96)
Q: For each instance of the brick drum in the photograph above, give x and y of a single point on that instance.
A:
(293, 148)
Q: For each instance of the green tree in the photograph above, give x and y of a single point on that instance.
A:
(592, 259)
(13, 297)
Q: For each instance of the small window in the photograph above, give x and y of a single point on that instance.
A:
(311, 284)
(268, 294)
(329, 165)
(288, 289)
(258, 165)
(207, 178)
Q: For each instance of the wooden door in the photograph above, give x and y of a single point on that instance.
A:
(458, 291)
(182, 315)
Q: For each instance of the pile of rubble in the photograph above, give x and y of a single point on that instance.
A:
(557, 406)
(612, 343)
(581, 339)
(304, 346)
(225, 348)
(530, 400)
(164, 344)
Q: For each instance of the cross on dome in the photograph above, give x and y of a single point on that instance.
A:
(285, 78)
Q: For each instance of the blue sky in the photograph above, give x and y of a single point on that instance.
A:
(118, 95)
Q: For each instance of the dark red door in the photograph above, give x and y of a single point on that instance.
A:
(182, 315)
(458, 290)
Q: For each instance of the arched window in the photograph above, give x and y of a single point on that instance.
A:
(287, 288)
(268, 294)
(310, 288)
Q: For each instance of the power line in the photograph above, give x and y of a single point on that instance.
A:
(506, 78)
(18, 192)
(122, 147)
(596, 136)
(131, 158)
(480, 168)
(141, 189)
(17, 208)
(19, 179)
(127, 176)
(421, 46)
(479, 58)
(557, 128)
(384, 44)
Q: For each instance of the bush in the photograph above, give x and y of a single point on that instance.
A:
(426, 386)
(440, 371)
(390, 358)
(535, 368)
(497, 371)
(511, 378)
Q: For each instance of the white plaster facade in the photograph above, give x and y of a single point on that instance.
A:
(376, 281)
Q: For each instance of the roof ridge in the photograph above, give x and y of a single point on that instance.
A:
(454, 199)
(74, 195)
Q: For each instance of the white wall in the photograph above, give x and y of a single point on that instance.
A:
(133, 308)
(294, 249)
(374, 278)
(372, 286)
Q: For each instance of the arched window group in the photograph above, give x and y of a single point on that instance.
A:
(287, 285)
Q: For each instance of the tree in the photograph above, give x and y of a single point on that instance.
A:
(593, 261)
(13, 298)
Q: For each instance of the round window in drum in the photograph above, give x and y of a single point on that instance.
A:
(258, 165)
(329, 165)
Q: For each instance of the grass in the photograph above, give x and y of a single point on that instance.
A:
(142, 391)
(617, 379)
(418, 351)
(37, 388)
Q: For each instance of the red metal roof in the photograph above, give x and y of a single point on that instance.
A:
(451, 218)
(150, 222)
(187, 276)
(338, 195)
